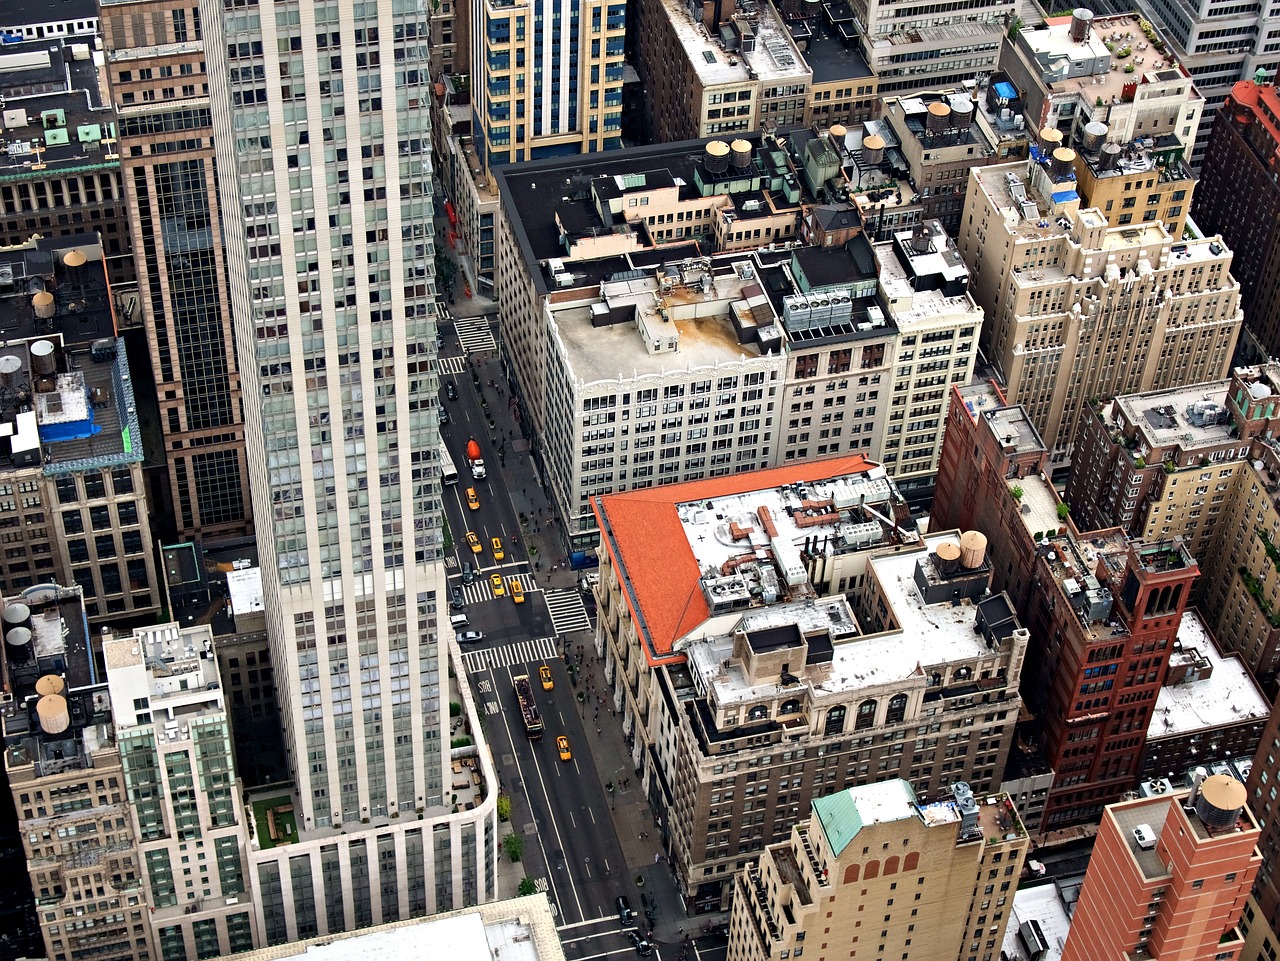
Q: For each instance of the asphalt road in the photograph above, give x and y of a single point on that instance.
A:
(571, 849)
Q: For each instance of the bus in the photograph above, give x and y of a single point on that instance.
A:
(448, 472)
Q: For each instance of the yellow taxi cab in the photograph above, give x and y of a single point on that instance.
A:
(544, 672)
(473, 499)
(517, 592)
(473, 542)
(498, 552)
(496, 581)
(562, 745)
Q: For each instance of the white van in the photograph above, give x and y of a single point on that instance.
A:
(458, 621)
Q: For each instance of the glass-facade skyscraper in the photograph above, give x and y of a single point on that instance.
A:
(323, 154)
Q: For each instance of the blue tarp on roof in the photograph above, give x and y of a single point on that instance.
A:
(1006, 91)
(1065, 196)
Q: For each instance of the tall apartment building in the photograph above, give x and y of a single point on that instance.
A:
(879, 871)
(333, 305)
(65, 773)
(156, 72)
(546, 77)
(1105, 608)
(72, 505)
(61, 163)
(1217, 45)
(1239, 198)
(712, 69)
(1168, 877)
(174, 738)
(1261, 784)
(918, 679)
(1078, 308)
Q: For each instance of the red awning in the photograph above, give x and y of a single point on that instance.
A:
(450, 212)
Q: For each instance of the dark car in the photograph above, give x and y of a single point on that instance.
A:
(456, 601)
(450, 391)
(643, 947)
(444, 416)
(468, 573)
(625, 914)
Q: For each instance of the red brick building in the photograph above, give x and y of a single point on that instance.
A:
(1168, 878)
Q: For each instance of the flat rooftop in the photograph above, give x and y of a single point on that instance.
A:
(1043, 904)
(18, 13)
(774, 58)
(1229, 695)
(910, 305)
(981, 397)
(53, 118)
(705, 331)
(666, 541)
(515, 929)
(1177, 417)
(833, 58)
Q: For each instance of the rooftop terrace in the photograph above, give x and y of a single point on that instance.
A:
(1186, 417)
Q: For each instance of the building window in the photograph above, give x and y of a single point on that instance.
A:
(866, 715)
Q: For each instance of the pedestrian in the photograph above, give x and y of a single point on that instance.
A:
(597, 732)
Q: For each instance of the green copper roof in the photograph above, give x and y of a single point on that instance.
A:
(843, 815)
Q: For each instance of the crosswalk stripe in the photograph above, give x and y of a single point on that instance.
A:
(567, 611)
(474, 334)
(451, 365)
(518, 652)
(481, 590)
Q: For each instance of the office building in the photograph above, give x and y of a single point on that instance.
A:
(1239, 198)
(172, 731)
(73, 509)
(515, 929)
(156, 70)
(879, 871)
(709, 77)
(543, 83)
(746, 353)
(61, 160)
(754, 588)
(1209, 707)
(1078, 308)
(1105, 608)
(64, 771)
(335, 324)
(941, 135)
(1216, 46)
(843, 89)
(1168, 877)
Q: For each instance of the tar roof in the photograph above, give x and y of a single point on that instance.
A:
(832, 59)
(647, 540)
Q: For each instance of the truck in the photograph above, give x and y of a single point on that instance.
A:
(528, 709)
(474, 459)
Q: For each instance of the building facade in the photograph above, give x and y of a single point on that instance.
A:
(1239, 198)
(335, 323)
(65, 773)
(156, 73)
(850, 868)
(174, 737)
(1079, 309)
(546, 77)
(695, 677)
(1168, 877)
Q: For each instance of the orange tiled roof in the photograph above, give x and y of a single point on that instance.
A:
(646, 541)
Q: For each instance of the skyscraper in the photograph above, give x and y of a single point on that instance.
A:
(155, 67)
(323, 157)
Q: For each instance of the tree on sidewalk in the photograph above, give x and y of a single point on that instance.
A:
(446, 270)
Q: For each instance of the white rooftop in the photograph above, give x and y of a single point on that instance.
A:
(909, 305)
(1228, 696)
(1165, 418)
(518, 929)
(884, 801)
(245, 589)
(775, 56)
(1042, 903)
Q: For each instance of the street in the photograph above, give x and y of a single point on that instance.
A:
(560, 808)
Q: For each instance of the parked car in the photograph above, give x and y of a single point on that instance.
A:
(470, 637)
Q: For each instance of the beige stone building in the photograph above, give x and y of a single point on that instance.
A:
(68, 785)
(746, 688)
(1078, 309)
(878, 871)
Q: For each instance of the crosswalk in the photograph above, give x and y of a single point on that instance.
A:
(567, 612)
(451, 365)
(475, 334)
(520, 652)
(481, 590)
